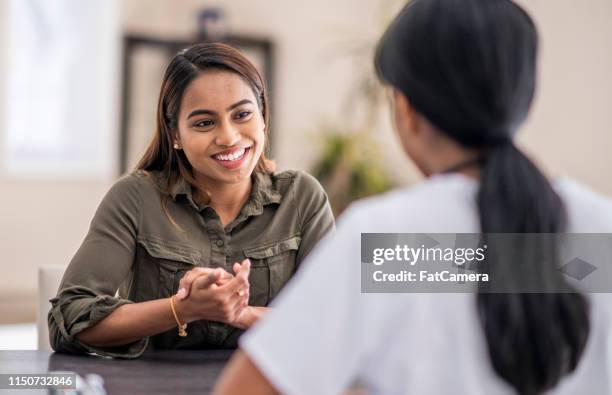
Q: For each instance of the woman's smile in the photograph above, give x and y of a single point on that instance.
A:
(232, 158)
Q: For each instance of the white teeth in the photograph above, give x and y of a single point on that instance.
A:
(233, 156)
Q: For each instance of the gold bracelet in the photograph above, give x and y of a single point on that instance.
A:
(181, 327)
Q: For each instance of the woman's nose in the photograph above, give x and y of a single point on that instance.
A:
(227, 135)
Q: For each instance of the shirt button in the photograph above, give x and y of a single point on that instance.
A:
(220, 243)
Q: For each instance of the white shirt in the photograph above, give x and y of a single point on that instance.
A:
(323, 333)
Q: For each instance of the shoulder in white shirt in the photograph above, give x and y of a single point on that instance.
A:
(323, 333)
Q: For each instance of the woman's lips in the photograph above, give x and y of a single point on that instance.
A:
(232, 159)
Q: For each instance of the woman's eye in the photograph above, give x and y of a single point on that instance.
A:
(242, 114)
(204, 124)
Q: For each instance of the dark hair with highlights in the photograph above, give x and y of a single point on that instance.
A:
(184, 67)
(469, 67)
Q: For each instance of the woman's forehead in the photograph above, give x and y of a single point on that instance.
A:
(216, 90)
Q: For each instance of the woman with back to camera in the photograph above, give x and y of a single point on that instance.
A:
(462, 75)
(203, 235)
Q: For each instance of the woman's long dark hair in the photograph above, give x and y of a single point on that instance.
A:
(469, 67)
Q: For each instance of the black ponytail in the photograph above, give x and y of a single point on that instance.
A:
(469, 67)
(534, 339)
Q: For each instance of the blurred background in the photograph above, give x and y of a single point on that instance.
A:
(79, 82)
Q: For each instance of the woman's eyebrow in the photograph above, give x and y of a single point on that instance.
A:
(201, 112)
(211, 112)
(241, 102)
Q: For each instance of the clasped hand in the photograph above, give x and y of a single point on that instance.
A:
(215, 295)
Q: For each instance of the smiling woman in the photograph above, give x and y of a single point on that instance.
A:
(203, 234)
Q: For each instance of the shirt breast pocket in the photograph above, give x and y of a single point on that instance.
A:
(272, 265)
(172, 262)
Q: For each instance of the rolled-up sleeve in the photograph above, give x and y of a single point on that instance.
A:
(88, 290)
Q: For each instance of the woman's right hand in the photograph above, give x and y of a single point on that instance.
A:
(189, 277)
(213, 294)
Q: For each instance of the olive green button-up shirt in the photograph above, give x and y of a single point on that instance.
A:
(134, 253)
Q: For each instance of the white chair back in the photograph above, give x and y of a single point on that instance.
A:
(49, 278)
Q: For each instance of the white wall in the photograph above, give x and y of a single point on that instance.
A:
(44, 216)
(570, 129)
(43, 221)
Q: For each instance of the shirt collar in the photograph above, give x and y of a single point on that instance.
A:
(181, 187)
(263, 193)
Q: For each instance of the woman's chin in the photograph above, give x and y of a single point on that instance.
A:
(235, 176)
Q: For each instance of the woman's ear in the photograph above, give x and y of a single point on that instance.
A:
(404, 114)
(176, 141)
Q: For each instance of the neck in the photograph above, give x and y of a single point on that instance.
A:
(226, 199)
(453, 158)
